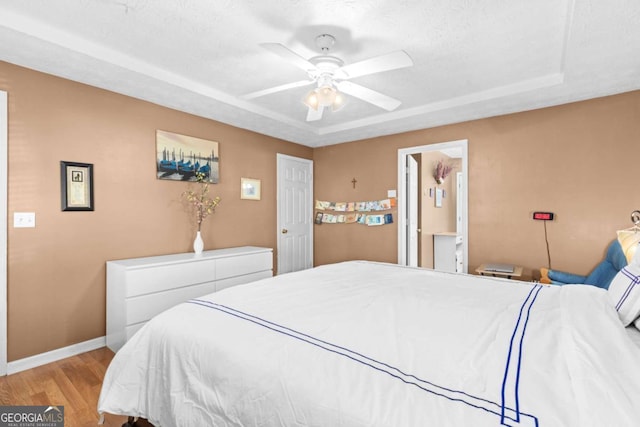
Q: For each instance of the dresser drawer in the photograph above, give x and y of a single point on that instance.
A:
(234, 266)
(144, 307)
(233, 281)
(132, 329)
(143, 281)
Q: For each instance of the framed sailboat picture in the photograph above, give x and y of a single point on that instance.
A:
(181, 157)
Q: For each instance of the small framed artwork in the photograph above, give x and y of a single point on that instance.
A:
(249, 189)
(76, 186)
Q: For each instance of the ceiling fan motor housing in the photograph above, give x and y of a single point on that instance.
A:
(325, 42)
(325, 65)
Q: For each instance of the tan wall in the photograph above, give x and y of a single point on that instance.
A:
(333, 173)
(56, 271)
(578, 160)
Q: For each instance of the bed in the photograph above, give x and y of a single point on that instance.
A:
(634, 335)
(372, 344)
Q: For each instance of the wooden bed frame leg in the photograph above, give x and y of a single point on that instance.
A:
(139, 422)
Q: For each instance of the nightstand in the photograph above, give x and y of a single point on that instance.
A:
(515, 274)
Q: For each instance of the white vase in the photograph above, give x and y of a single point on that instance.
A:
(198, 244)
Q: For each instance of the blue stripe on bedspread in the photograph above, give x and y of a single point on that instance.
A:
(511, 380)
(633, 281)
(507, 415)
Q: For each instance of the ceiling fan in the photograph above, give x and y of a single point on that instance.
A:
(331, 77)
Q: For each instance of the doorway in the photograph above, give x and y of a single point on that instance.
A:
(295, 213)
(429, 195)
(3, 235)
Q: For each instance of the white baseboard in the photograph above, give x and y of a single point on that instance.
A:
(55, 355)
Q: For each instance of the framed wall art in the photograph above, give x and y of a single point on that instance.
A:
(76, 186)
(180, 157)
(249, 189)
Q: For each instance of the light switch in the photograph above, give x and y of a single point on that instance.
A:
(24, 219)
(391, 193)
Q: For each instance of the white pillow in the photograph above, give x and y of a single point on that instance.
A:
(624, 291)
(629, 239)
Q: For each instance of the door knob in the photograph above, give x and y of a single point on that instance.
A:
(419, 230)
(285, 231)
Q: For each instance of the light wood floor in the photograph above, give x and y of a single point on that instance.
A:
(73, 382)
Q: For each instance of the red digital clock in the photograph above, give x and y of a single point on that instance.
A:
(543, 216)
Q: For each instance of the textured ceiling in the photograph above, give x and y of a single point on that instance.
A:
(471, 59)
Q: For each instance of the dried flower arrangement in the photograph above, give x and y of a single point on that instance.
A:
(441, 172)
(202, 204)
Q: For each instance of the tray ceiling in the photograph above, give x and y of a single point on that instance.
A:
(471, 59)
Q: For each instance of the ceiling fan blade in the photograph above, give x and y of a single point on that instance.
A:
(378, 64)
(276, 89)
(371, 96)
(289, 55)
(314, 115)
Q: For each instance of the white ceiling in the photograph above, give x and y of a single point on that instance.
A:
(472, 59)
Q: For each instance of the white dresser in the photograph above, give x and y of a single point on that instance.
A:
(447, 252)
(140, 288)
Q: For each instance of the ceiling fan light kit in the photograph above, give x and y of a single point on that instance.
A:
(324, 96)
(338, 102)
(331, 77)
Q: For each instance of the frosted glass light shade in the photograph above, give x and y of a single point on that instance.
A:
(324, 96)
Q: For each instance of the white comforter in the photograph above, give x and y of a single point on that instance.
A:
(370, 344)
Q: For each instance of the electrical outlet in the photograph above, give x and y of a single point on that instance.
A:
(24, 219)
